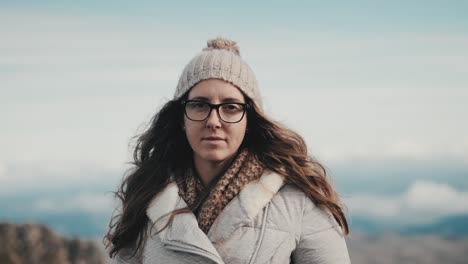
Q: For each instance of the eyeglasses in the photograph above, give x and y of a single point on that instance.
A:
(227, 112)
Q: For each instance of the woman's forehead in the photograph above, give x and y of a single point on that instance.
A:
(215, 89)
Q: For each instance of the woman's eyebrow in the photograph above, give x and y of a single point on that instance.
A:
(231, 100)
(200, 98)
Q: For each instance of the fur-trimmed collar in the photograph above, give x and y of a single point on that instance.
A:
(243, 208)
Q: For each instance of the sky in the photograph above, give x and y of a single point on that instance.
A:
(378, 89)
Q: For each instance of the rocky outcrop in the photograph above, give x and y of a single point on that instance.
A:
(37, 244)
(392, 248)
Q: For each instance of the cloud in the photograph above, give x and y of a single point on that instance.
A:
(23, 177)
(3, 172)
(397, 149)
(373, 124)
(87, 202)
(364, 204)
(3, 168)
(433, 197)
(423, 200)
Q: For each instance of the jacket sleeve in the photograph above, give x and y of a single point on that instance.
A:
(123, 257)
(321, 239)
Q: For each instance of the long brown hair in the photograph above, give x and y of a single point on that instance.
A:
(163, 149)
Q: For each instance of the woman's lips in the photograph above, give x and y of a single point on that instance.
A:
(212, 139)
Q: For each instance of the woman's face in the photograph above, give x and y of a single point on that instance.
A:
(212, 139)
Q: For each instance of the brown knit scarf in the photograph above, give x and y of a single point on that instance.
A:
(242, 170)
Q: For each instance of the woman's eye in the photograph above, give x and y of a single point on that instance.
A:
(232, 107)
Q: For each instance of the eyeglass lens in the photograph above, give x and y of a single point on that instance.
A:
(228, 112)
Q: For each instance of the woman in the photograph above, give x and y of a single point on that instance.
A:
(217, 181)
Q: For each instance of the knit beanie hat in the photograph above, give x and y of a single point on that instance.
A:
(220, 60)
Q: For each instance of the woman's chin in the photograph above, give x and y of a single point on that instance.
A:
(215, 156)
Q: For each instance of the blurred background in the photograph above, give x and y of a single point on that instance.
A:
(378, 89)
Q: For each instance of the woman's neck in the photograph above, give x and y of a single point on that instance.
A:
(208, 170)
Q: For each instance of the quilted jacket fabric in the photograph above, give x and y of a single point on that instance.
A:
(267, 222)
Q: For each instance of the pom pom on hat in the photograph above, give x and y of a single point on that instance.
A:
(222, 43)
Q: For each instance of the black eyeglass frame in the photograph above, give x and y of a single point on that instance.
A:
(245, 106)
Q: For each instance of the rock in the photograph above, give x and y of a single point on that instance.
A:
(37, 244)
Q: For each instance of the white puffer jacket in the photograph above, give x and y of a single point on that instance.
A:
(267, 222)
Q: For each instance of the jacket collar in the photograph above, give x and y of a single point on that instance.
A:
(240, 211)
(183, 234)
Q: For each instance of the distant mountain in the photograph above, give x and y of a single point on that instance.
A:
(82, 224)
(94, 226)
(452, 226)
(369, 225)
(37, 244)
(391, 248)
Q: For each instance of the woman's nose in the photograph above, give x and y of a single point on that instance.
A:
(213, 120)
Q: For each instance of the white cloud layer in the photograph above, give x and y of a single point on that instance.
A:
(435, 198)
(95, 203)
(18, 178)
(423, 200)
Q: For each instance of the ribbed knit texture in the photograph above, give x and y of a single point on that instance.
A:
(220, 60)
(242, 170)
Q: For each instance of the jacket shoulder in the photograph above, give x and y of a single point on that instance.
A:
(286, 209)
(292, 204)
